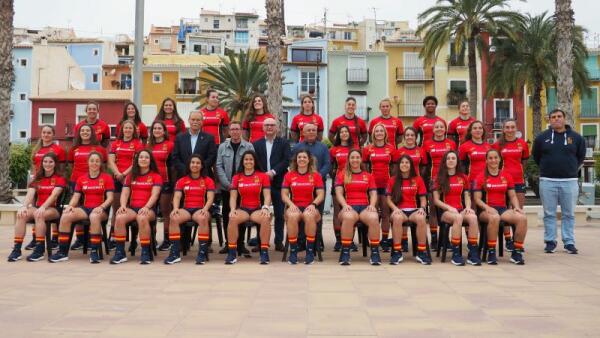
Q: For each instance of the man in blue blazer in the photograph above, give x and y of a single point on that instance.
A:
(194, 141)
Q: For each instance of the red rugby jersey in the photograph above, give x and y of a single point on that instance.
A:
(59, 151)
(100, 128)
(380, 159)
(194, 190)
(475, 154)
(458, 185)
(412, 189)
(433, 151)
(93, 190)
(255, 127)
(356, 125)
(172, 128)
(302, 187)
(357, 191)
(459, 127)
(213, 121)
(162, 154)
(300, 120)
(424, 125)
(250, 187)
(494, 188)
(141, 188)
(513, 153)
(393, 126)
(339, 157)
(141, 129)
(124, 152)
(78, 156)
(415, 153)
(45, 186)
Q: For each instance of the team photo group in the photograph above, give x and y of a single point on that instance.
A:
(390, 183)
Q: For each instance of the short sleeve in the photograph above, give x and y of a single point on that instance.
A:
(478, 183)
(424, 155)
(235, 181)
(452, 128)
(114, 146)
(143, 130)
(366, 154)
(525, 155)
(245, 124)
(71, 154)
(462, 152)
(339, 180)
(266, 182)
(158, 181)
(180, 184)
(390, 186)
(318, 181)
(320, 125)
(466, 183)
(333, 128)
(286, 180)
(110, 183)
(139, 146)
(61, 182)
(372, 185)
(400, 130)
(363, 126)
(127, 181)
(210, 184)
(225, 120)
(78, 185)
(496, 146)
(104, 154)
(294, 126)
(510, 182)
(332, 154)
(105, 131)
(421, 189)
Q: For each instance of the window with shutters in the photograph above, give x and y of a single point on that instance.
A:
(590, 134)
(589, 103)
(457, 92)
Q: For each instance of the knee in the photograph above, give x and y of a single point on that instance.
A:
(372, 218)
(348, 217)
(419, 219)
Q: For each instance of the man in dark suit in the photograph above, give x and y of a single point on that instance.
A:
(274, 158)
(194, 141)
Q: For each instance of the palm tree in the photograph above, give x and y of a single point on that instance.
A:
(7, 78)
(463, 21)
(237, 80)
(274, 31)
(564, 34)
(530, 59)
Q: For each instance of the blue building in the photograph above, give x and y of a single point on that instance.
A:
(89, 56)
(20, 105)
(305, 71)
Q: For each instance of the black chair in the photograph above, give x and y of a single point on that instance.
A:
(215, 212)
(413, 237)
(86, 236)
(187, 234)
(59, 207)
(483, 239)
(444, 239)
(247, 226)
(133, 229)
(318, 242)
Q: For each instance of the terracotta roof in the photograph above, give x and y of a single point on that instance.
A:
(98, 95)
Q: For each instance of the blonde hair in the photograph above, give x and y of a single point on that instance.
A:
(311, 161)
(385, 137)
(385, 99)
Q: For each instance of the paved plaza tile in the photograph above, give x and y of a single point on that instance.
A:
(554, 295)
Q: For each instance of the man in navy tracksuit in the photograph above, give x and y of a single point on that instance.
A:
(559, 152)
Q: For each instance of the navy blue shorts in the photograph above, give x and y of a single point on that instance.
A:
(118, 187)
(409, 212)
(248, 210)
(359, 208)
(520, 188)
(88, 211)
(381, 191)
(192, 211)
(500, 210)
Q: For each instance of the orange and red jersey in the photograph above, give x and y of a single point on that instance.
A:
(78, 155)
(59, 151)
(255, 127)
(140, 127)
(393, 126)
(44, 187)
(172, 128)
(357, 191)
(162, 155)
(300, 120)
(339, 157)
(302, 186)
(474, 154)
(124, 152)
(459, 127)
(458, 183)
(194, 190)
(356, 125)
(380, 160)
(141, 188)
(415, 153)
(433, 152)
(412, 189)
(424, 126)
(494, 188)
(93, 190)
(513, 153)
(100, 128)
(250, 187)
(213, 121)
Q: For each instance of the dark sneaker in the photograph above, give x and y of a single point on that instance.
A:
(385, 246)
(15, 255)
(145, 257)
(201, 258)
(404, 245)
(37, 254)
(396, 257)
(293, 257)
(78, 245)
(231, 257)
(517, 257)
(94, 256)
(345, 256)
(510, 245)
(423, 258)
(59, 257)
(54, 244)
(375, 257)
(492, 259)
(570, 248)
(120, 255)
(165, 246)
(550, 247)
(457, 258)
(264, 257)
(473, 256)
(338, 246)
(310, 257)
(30, 245)
(353, 247)
(174, 256)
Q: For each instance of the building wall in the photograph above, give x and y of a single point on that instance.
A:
(112, 73)
(90, 64)
(443, 75)
(19, 98)
(54, 70)
(155, 93)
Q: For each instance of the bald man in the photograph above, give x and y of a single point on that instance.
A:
(274, 158)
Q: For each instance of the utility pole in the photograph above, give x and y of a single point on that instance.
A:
(375, 16)
(138, 58)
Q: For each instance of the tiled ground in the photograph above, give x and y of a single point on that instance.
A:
(553, 295)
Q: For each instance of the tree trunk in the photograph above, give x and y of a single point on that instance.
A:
(7, 78)
(537, 108)
(564, 29)
(472, 63)
(275, 91)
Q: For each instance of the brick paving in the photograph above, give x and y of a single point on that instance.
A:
(552, 295)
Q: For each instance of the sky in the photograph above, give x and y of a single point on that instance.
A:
(98, 18)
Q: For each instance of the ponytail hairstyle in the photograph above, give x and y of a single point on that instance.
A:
(443, 179)
(179, 124)
(348, 169)
(399, 179)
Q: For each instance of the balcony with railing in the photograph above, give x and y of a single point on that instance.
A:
(410, 109)
(357, 75)
(414, 74)
(589, 110)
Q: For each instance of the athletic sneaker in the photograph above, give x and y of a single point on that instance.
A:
(345, 256)
(78, 245)
(353, 247)
(94, 256)
(30, 245)
(423, 258)
(570, 248)
(310, 256)
(385, 245)
(550, 247)
(517, 257)
(15, 255)
(473, 256)
(396, 257)
(112, 244)
(173, 257)
(338, 246)
(457, 258)
(231, 257)
(145, 257)
(510, 245)
(165, 246)
(492, 259)
(264, 257)
(201, 257)
(59, 257)
(434, 242)
(120, 255)
(36, 255)
(375, 258)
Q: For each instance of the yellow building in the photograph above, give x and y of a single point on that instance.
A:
(174, 76)
(452, 82)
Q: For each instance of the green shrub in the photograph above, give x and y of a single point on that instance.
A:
(20, 163)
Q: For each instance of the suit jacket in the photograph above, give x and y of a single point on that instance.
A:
(205, 147)
(280, 158)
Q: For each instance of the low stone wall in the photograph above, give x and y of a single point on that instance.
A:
(8, 214)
